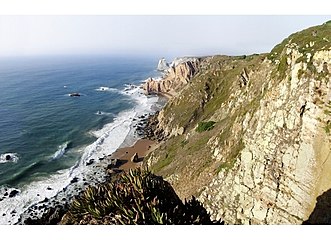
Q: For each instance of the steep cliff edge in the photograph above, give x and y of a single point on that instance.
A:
(175, 76)
(266, 158)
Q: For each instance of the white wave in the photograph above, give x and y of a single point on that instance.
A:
(61, 150)
(128, 87)
(30, 194)
(103, 113)
(106, 89)
(9, 157)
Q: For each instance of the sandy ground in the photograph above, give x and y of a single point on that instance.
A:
(124, 155)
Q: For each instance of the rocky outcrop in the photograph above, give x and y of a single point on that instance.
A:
(268, 157)
(175, 77)
(135, 157)
(162, 65)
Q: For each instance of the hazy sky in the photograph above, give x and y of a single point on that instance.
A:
(167, 36)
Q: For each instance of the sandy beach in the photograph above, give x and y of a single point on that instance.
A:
(142, 147)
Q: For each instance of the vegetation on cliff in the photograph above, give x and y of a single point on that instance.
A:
(205, 126)
(135, 197)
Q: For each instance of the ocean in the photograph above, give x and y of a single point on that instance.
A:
(47, 136)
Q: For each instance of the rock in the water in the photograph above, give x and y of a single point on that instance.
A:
(74, 94)
(8, 157)
(135, 158)
(162, 65)
(89, 162)
(74, 180)
(13, 193)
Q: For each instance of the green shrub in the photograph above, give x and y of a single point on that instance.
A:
(136, 197)
(205, 126)
(327, 127)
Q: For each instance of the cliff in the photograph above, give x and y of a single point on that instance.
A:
(175, 77)
(265, 157)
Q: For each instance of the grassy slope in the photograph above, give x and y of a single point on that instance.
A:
(190, 155)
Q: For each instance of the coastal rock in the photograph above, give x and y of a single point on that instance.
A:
(135, 158)
(178, 75)
(51, 216)
(90, 161)
(162, 65)
(114, 162)
(13, 193)
(74, 180)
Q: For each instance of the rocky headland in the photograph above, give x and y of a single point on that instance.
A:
(175, 76)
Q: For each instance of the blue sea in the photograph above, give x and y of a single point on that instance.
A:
(46, 135)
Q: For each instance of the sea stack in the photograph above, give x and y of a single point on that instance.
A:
(162, 65)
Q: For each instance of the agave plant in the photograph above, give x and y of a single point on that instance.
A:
(135, 197)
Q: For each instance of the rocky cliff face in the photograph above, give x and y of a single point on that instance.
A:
(267, 159)
(175, 77)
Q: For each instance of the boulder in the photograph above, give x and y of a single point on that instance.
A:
(74, 180)
(89, 162)
(114, 162)
(13, 193)
(135, 158)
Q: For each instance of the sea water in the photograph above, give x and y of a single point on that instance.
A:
(47, 136)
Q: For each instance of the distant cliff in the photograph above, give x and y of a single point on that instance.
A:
(250, 135)
(175, 76)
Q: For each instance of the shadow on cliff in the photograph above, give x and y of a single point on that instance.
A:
(322, 210)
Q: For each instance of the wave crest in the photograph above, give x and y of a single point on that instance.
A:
(61, 151)
(106, 89)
